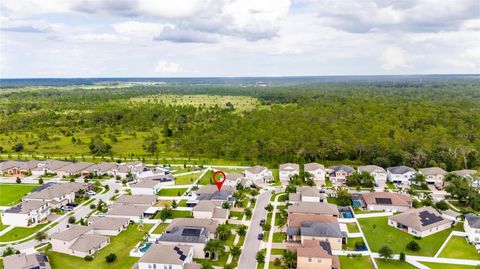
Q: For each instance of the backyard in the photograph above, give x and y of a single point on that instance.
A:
(120, 245)
(186, 179)
(358, 262)
(378, 234)
(171, 192)
(20, 233)
(447, 266)
(11, 194)
(458, 248)
(393, 264)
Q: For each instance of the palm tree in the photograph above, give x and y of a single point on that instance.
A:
(40, 236)
(214, 247)
(223, 232)
(242, 230)
(235, 251)
(289, 258)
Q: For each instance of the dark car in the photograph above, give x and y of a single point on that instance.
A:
(260, 236)
(262, 222)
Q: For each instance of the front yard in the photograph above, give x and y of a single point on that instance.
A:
(393, 264)
(20, 233)
(378, 234)
(186, 179)
(11, 194)
(458, 248)
(120, 245)
(160, 228)
(358, 262)
(447, 266)
(353, 227)
(172, 192)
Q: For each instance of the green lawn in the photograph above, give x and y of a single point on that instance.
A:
(378, 233)
(182, 203)
(447, 266)
(278, 237)
(272, 198)
(238, 215)
(358, 262)
(458, 248)
(393, 264)
(391, 186)
(206, 179)
(120, 245)
(160, 228)
(276, 177)
(20, 232)
(332, 200)
(186, 179)
(171, 192)
(176, 214)
(353, 227)
(11, 194)
(351, 243)
(279, 219)
(1, 224)
(328, 183)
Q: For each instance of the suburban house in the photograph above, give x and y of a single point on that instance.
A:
(163, 256)
(307, 194)
(147, 173)
(103, 168)
(26, 213)
(386, 201)
(211, 193)
(420, 222)
(316, 170)
(315, 254)
(134, 168)
(108, 226)
(18, 168)
(339, 172)
(49, 166)
(78, 241)
(314, 208)
(433, 175)
(146, 186)
(57, 194)
(140, 199)
(233, 179)
(259, 173)
(207, 209)
(132, 212)
(469, 174)
(400, 174)
(73, 169)
(191, 232)
(377, 172)
(288, 170)
(472, 229)
(302, 226)
(26, 261)
(451, 215)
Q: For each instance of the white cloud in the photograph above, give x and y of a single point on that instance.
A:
(393, 58)
(98, 38)
(469, 59)
(168, 68)
(137, 29)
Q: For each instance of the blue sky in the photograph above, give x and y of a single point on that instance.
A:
(116, 38)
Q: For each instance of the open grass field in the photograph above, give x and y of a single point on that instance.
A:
(120, 245)
(433, 265)
(206, 179)
(393, 264)
(351, 243)
(11, 194)
(458, 248)
(171, 192)
(20, 233)
(359, 262)
(186, 179)
(240, 103)
(378, 233)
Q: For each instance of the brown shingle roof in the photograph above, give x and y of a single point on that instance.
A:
(371, 168)
(313, 208)
(71, 233)
(370, 198)
(141, 199)
(165, 254)
(413, 218)
(296, 219)
(432, 171)
(313, 166)
(289, 167)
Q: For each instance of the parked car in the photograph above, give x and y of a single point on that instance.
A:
(91, 193)
(262, 222)
(260, 236)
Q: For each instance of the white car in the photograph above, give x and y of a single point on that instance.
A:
(91, 193)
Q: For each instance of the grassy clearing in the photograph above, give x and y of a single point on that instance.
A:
(240, 103)
(359, 262)
(11, 194)
(20, 233)
(176, 214)
(186, 179)
(351, 243)
(353, 227)
(206, 179)
(433, 265)
(375, 228)
(458, 248)
(279, 237)
(391, 186)
(393, 264)
(120, 245)
(1, 224)
(172, 192)
(328, 183)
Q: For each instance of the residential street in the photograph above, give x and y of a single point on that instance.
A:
(80, 212)
(252, 244)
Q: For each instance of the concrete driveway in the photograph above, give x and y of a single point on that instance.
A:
(252, 244)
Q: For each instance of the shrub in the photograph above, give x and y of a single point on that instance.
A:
(413, 246)
(360, 245)
(111, 257)
(442, 205)
(402, 257)
(92, 206)
(18, 180)
(71, 220)
(88, 258)
(277, 262)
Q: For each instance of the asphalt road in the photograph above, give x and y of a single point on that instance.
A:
(252, 244)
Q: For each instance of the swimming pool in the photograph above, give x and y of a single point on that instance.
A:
(356, 203)
(347, 215)
(146, 247)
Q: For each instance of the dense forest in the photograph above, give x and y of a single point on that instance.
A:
(421, 123)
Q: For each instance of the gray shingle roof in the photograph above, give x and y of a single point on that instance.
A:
(87, 242)
(166, 254)
(473, 220)
(289, 167)
(345, 168)
(256, 169)
(320, 229)
(71, 233)
(313, 166)
(398, 170)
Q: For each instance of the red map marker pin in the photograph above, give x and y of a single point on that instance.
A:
(219, 183)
